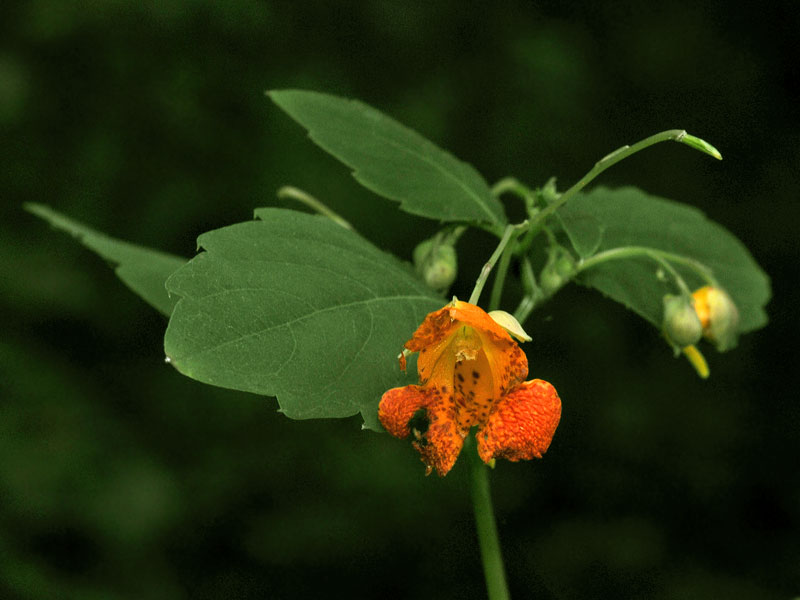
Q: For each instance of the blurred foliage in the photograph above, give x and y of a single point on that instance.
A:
(147, 120)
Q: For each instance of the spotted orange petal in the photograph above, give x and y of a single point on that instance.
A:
(427, 413)
(523, 423)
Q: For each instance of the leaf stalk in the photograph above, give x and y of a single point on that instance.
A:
(307, 199)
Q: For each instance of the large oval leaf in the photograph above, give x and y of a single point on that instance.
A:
(295, 306)
(630, 217)
(393, 160)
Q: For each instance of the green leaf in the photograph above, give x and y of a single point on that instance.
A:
(143, 270)
(295, 306)
(393, 161)
(584, 231)
(631, 217)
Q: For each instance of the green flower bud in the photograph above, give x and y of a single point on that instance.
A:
(559, 269)
(436, 263)
(681, 324)
(549, 192)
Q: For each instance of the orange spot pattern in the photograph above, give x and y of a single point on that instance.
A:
(471, 375)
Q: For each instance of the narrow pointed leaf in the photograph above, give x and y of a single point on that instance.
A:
(392, 160)
(143, 270)
(295, 306)
(631, 217)
(700, 144)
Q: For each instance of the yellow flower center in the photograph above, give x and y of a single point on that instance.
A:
(465, 343)
(472, 385)
(472, 381)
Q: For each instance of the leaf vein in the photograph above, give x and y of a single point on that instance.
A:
(355, 356)
(258, 332)
(442, 169)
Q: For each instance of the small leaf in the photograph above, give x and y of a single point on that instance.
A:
(391, 160)
(143, 270)
(630, 217)
(295, 306)
(699, 144)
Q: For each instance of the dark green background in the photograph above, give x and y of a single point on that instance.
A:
(121, 479)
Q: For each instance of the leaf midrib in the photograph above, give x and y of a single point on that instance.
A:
(442, 169)
(365, 302)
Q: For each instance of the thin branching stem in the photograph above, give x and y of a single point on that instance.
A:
(487, 268)
(294, 193)
(606, 162)
(663, 257)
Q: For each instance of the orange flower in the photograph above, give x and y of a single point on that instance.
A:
(472, 373)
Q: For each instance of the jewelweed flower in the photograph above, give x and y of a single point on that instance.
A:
(472, 374)
(718, 315)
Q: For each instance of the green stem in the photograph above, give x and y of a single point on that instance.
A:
(488, 540)
(491, 555)
(454, 235)
(532, 291)
(608, 161)
(500, 277)
(487, 268)
(661, 256)
(294, 193)
(514, 186)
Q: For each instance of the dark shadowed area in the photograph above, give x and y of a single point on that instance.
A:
(121, 479)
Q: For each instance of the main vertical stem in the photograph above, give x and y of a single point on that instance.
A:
(491, 555)
(489, 542)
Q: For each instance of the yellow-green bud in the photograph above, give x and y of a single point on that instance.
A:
(436, 263)
(681, 324)
(718, 316)
(559, 270)
(549, 192)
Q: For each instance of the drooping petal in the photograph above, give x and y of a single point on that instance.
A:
(397, 408)
(440, 446)
(522, 424)
(427, 413)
